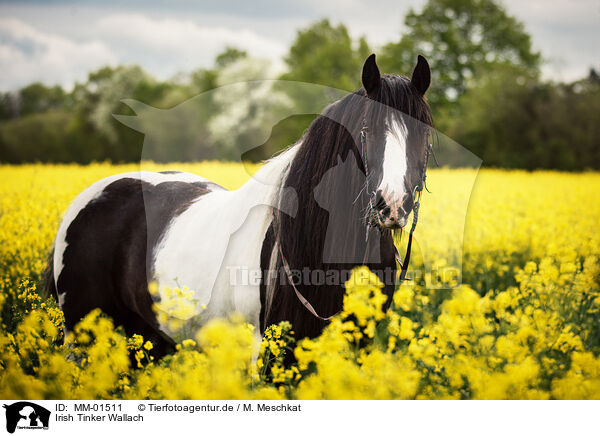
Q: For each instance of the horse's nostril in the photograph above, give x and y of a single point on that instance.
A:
(385, 211)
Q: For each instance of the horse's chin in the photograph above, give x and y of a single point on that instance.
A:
(374, 220)
(392, 225)
(395, 229)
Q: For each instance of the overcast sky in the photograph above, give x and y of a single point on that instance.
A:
(61, 41)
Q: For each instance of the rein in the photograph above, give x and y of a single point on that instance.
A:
(404, 264)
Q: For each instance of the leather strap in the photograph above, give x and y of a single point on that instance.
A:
(301, 297)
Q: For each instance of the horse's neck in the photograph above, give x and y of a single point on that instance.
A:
(265, 187)
(330, 229)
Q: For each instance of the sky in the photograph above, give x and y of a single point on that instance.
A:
(60, 42)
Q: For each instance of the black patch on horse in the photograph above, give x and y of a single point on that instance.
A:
(109, 253)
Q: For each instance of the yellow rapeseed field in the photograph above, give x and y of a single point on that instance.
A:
(523, 324)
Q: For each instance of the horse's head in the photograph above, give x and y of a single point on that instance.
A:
(395, 132)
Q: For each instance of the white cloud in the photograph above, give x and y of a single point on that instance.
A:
(60, 42)
(170, 45)
(575, 13)
(380, 24)
(163, 46)
(565, 32)
(28, 55)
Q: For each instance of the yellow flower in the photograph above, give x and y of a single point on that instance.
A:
(518, 321)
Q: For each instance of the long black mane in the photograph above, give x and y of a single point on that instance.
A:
(332, 138)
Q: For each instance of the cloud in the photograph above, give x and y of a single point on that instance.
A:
(565, 32)
(162, 46)
(28, 55)
(168, 45)
(59, 42)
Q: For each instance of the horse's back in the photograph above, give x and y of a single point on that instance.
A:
(104, 247)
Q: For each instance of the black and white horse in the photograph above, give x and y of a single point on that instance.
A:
(182, 230)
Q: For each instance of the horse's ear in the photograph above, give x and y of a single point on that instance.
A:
(371, 78)
(421, 76)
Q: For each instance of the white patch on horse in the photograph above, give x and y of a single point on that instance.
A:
(94, 191)
(236, 222)
(394, 166)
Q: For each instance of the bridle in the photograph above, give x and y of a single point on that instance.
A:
(418, 189)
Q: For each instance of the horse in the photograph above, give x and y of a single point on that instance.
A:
(330, 202)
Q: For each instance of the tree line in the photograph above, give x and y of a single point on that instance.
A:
(487, 94)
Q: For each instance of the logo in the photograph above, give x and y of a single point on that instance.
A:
(26, 415)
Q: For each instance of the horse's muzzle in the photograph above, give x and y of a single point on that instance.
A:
(393, 216)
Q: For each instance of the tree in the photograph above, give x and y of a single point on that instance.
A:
(40, 137)
(246, 111)
(324, 54)
(9, 106)
(99, 98)
(460, 38)
(203, 80)
(37, 97)
(528, 124)
(33, 99)
(229, 56)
